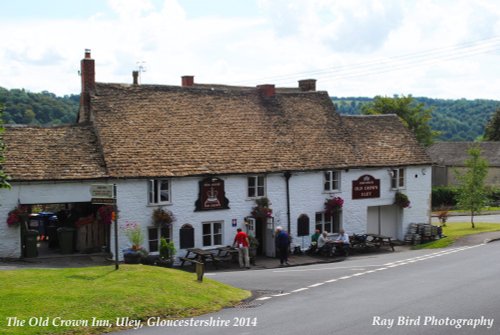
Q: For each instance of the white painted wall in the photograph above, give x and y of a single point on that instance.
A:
(306, 197)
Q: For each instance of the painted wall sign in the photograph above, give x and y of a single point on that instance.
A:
(366, 187)
(212, 195)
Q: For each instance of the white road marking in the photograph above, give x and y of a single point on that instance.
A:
(384, 267)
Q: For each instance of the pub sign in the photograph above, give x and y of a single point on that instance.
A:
(212, 195)
(366, 187)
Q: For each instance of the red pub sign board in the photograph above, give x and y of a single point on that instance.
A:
(366, 187)
(212, 195)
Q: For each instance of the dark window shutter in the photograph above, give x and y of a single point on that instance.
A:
(303, 225)
(186, 234)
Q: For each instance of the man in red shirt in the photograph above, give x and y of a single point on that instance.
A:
(241, 242)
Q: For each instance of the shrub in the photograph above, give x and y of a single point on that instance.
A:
(444, 196)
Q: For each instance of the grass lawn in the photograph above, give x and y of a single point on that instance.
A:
(134, 291)
(453, 231)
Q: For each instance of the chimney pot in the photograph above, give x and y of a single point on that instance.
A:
(267, 90)
(306, 85)
(187, 81)
(87, 53)
(135, 76)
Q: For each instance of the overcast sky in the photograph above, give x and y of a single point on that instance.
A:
(441, 49)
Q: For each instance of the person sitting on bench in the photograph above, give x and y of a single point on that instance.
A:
(343, 239)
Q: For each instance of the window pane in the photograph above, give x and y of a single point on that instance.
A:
(153, 239)
(151, 187)
(207, 229)
(328, 227)
(218, 239)
(327, 181)
(319, 218)
(207, 240)
(260, 181)
(164, 191)
(153, 233)
(394, 179)
(165, 233)
(335, 180)
(217, 228)
(251, 181)
(401, 177)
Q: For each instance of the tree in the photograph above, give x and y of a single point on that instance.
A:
(492, 130)
(472, 195)
(4, 179)
(414, 115)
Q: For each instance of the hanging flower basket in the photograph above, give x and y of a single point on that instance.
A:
(105, 214)
(17, 216)
(262, 210)
(333, 205)
(401, 200)
(162, 217)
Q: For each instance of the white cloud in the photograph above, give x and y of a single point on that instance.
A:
(351, 47)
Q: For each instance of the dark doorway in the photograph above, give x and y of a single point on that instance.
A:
(260, 225)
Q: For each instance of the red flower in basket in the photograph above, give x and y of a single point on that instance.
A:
(333, 205)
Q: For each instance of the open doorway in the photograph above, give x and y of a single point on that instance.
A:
(65, 228)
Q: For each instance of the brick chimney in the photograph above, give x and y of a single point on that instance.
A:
(306, 85)
(135, 76)
(187, 81)
(267, 90)
(87, 72)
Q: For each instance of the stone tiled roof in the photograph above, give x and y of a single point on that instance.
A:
(161, 131)
(55, 153)
(177, 131)
(383, 140)
(455, 153)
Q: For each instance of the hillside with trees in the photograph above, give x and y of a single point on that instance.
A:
(455, 120)
(45, 108)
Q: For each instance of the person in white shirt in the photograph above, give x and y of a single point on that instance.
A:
(343, 239)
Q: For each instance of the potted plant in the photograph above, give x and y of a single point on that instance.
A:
(136, 252)
(252, 249)
(162, 218)
(401, 200)
(167, 253)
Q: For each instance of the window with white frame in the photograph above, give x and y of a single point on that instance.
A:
(154, 236)
(397, 178)
(331, 181)
(256, 186)
(329, 223)
(159, 191)
(212, 234)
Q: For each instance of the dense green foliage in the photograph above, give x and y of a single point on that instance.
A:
(492, 130)
(444, 196)
(23, 107)
(455, 120)
(415, 115)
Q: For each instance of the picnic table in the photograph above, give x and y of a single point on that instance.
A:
(227, 253)
(200, 255)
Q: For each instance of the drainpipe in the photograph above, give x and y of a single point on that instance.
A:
(288, 175)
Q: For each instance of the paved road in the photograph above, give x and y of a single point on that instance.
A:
(420, 292)
(479, 218)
